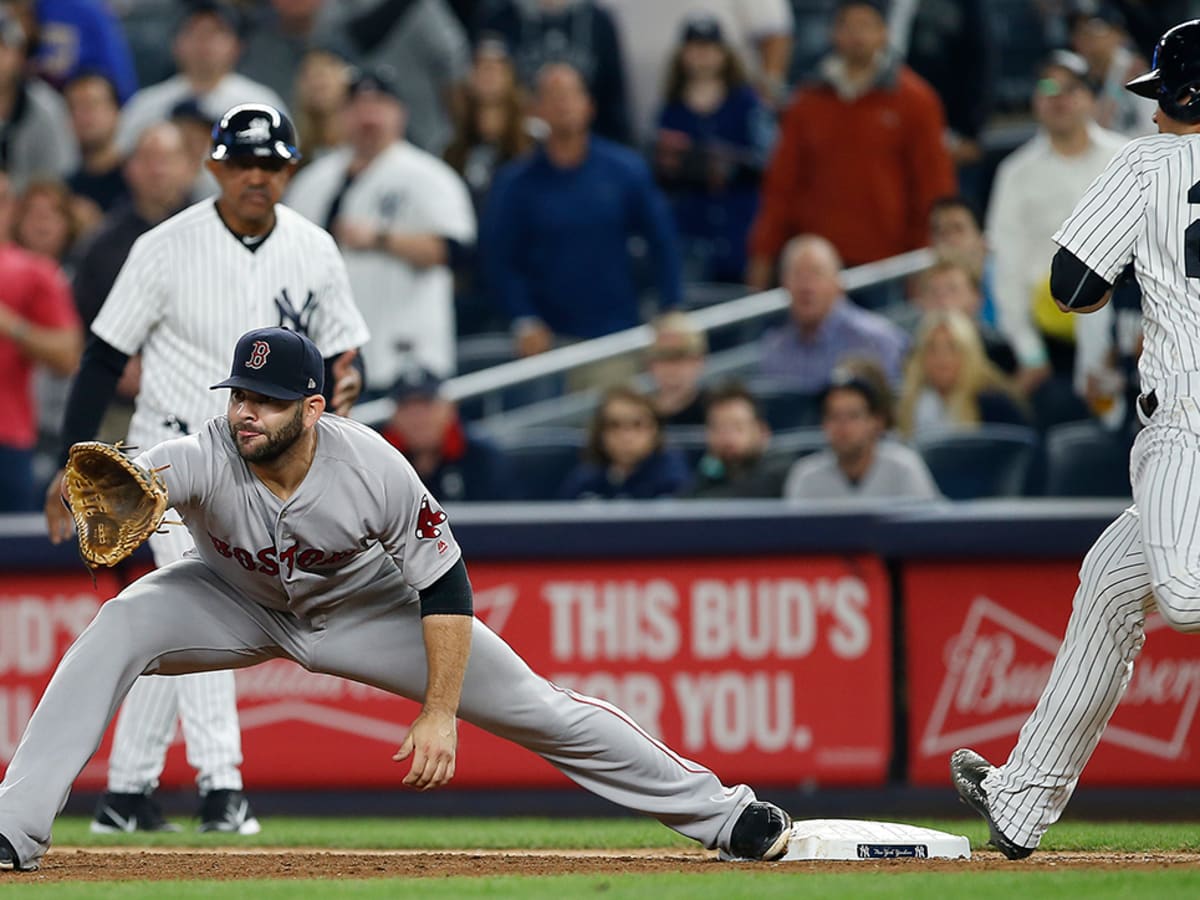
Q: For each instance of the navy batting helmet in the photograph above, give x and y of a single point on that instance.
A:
(256, 130)
(1174, 77)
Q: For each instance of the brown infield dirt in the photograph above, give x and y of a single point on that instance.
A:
(125, 864)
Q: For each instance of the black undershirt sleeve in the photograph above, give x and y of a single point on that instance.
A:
(1073, 284)
(450, 595)
(92, 391)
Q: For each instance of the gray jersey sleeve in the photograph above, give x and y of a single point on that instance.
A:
(1107, 222)
(184, 463)
(416, 531)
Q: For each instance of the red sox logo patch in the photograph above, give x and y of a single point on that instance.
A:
(258, 355)
(428, 520)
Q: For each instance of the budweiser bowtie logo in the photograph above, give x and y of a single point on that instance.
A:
(999, 663)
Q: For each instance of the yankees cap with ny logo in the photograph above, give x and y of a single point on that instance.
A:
(278, 363)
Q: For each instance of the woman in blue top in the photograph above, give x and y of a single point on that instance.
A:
(712, 143)
(625, 456)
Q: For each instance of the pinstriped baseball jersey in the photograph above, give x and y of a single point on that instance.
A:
(1145, 209)
(190, 288)
(360, 519)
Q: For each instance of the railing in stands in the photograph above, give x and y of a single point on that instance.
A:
(563, 359)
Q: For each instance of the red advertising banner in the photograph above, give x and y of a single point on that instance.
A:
(981, 639)
(773, 671)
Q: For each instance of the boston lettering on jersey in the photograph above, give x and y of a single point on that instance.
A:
(266, 561)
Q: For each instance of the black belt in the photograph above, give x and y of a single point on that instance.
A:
(1148, 403)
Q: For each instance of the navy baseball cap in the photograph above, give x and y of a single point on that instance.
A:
(702, 27)
(381, 79)
(416, 382)
(278, 363)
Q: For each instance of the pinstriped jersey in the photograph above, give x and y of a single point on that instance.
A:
(1145, 209)
(190, 288)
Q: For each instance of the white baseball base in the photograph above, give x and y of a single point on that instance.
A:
(854, 839)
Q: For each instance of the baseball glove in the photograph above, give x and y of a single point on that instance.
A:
(115, 503)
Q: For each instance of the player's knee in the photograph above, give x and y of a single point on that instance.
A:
(1180, 611)
(127, 622)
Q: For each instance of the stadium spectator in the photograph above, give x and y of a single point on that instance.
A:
(196, 127)
(38, 328)
(949, 286)
(206, 49)
(555, 240)
(97, 184)
(37, 130)
(712, 141)
(491, 129)
(160, 173)
(626, 457)
(950, 384)
(735, 463)
(823, 325)
(758, 31)
(861, 154)
(1036, 187)
(44, 221)
(454, 463)
(955, 51)
(321, 88)
(576, 32)
(278, 37)
(71, 37)
(675, 362)
(423, 41)
(399, 214)
(859, 462)
(1097, 32)
(955, 234)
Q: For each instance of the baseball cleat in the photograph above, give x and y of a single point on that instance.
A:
(967, 771)
(126, 813)
(8, 858)
(228, 812)
(761, 832)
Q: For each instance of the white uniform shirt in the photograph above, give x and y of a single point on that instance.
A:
(1141, 209)
(1034, 191)
(154, 103)
(408, 310)
(190, 288)
(360, 520)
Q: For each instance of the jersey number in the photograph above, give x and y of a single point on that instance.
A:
(1191, 238)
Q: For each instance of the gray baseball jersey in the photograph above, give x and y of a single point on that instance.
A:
(360, 521)
(1145, 209)
(326, 579)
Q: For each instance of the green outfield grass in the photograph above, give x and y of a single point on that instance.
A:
(736, 881)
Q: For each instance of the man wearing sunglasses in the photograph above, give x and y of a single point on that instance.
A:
(189, 288)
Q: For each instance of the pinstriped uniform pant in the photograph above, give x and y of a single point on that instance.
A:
(204, 702)
(1148, 559)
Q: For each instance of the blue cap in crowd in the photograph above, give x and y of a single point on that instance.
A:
(278, 363)
(416, 383)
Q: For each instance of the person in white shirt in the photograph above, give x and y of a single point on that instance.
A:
(1035, 188)
(399, 214)
(206, 49)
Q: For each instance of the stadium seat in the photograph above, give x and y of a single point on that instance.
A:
(1084, 459)
(690, 440)
(784, 406)
(541, 458)
(795, 443)
(992, 461)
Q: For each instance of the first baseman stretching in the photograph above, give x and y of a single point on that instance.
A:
(1144, 211)
(317, 542)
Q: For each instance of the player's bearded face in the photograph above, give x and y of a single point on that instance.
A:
(262, 440)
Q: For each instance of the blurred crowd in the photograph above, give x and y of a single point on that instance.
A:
(558, 170)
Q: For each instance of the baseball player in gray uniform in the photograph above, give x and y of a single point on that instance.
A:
(1141, 212)
(316, 541)
(190, 286)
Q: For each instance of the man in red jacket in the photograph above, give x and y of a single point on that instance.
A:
(861, 154)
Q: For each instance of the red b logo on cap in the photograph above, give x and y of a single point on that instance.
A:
(258, 355)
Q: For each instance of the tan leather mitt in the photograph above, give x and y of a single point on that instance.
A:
(115, 503)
